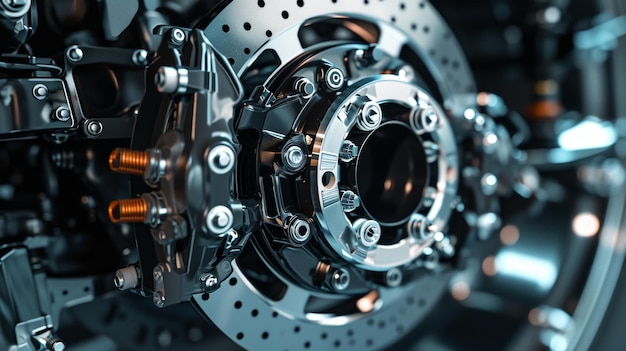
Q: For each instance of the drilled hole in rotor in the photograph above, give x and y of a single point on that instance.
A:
(422, 5)
(238, 304)
(413, 26)
(254, 312)
(265, 335)
(261, 3)
(246, 51)
(300, 3)
(391, 173)
(328, 180)
(426, 29)
(239, 336)
(285, 14)
(225, 28)
(307, 344)
(232, 281)
(205, 297)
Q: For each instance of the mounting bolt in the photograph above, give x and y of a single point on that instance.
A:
(299, 229)
(56, 345)
(62, 114)
(340, 279)
(370, 116)
(424, 120)
(431, 150)
(369, 56)
(393, 277)
(419, 228)
(93, 128)
(140, 57)
(350, 201)
(349, 151)
(75, 54)
(369, 232)
(177, 36)
(231, 239)
(444, 245)
(209, 280)
(159, 299)
(219, 220)
(40, 91)
(126, 278)
(157, 273)
(294, 157)
(221, 159)
(333, 79)
(304, 87)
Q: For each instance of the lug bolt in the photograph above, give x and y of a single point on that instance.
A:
(294, 157)
(350, 201)
(219, 220)
(304, 87)
(370, 116)
(40, 91)
(369, 233)
(333, 79)
(75, 54)
(349, 151)
(221, 159)
(340, 279)
(62, 114)
(299, 229)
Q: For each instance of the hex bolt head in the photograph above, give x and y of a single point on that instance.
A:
(370, 116)
(294, 157)
(299, 229)
(333, 79)
(424, 120)
(177, 36)
(75, 54)
(219, 220)
(221, 159)
(304, 87)
(40, 91)
(369, 233)
(159, 299)
(166, 80)
(62, 114)
(340, 279)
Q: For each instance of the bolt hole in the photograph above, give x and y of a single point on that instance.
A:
(231, 60)
(324, 336)
(337, 343)
(254, 313)
(308, 343)
(285, 14)
(265, 335)
(232, 281)
(239, 336)
(328, 180)
(268, 33)
(225, 28)
(247, 26)
(261, 3)
(300, 3)
(238, 304)
(205, 297)
(246, 51)
(296, 329)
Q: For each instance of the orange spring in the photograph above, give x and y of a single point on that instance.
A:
(128, 161)
(129, 210)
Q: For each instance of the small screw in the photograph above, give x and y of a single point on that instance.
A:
(40, 91)
(62, 114)
(177, 36)
(75, 54)
(159, 299)
(93, 128)
(140, 57)
(340, 279)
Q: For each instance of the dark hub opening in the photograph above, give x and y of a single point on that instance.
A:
(391, 172)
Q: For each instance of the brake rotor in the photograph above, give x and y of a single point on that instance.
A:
(331, 87)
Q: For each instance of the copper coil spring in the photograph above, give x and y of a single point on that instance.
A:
(128, 210)
(128, 161)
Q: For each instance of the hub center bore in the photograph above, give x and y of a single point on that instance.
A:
(391, 173)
